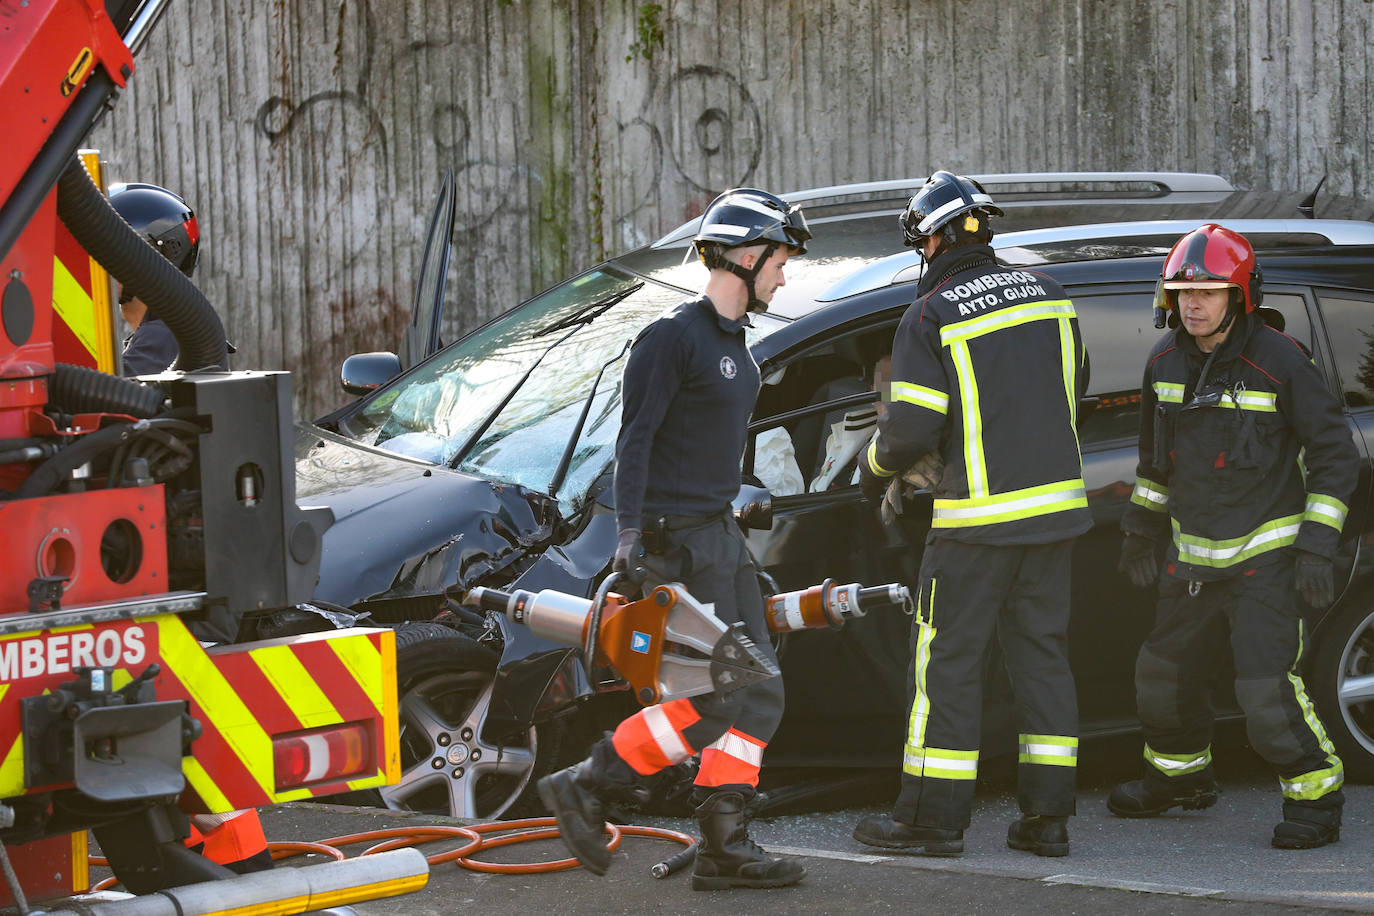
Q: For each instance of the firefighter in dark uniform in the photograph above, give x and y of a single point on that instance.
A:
(1246, 467)
(987, 369)
(170, 226)
(234, 839)
(689, 387)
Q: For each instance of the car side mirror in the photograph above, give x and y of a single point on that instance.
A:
(754, 507)
(1086, 406)
(363, 373)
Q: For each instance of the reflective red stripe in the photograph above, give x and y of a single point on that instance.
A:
(732, 759)
(652, 738)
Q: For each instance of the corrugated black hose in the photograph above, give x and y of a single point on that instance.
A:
(77, 389)
(52, 472)
(168, 293)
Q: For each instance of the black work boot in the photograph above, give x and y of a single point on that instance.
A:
(727, 857)
(881, 830)
(1042, 834)
(1306, 827)
(1148, 798)
(571, 794)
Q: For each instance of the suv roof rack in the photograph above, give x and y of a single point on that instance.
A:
(900, 267)
(1022, 189)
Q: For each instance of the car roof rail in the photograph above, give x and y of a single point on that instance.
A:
(1022, 189)
(1150, 235)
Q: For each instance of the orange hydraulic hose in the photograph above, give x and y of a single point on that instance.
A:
(526, 830)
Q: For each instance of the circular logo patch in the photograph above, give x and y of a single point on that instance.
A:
(727, 367)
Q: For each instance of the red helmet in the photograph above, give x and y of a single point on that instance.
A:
(1209, 257)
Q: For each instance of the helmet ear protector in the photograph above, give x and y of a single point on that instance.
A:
(1210, 257)
(951, 205)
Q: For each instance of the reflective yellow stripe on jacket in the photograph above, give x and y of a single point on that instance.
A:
(1200, 551)
(1009, 507)
(921, 396)
(1328, 510)
(1150, 495)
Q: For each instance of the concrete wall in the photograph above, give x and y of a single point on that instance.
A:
(311, 135)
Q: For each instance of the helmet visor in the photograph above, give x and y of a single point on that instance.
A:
(795, 229)
(910, 221)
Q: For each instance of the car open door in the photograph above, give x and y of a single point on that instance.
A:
(422, 337)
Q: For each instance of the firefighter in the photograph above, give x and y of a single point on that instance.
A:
(689, 386)
(987, 369)
(169, 225)
(1246, 468)
(233, 839)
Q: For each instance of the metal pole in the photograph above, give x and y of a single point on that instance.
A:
(288, 890)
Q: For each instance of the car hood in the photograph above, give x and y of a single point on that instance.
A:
(403, 527)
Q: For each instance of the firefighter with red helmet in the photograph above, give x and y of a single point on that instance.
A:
(988, 366)
(169, 224)
(689, 386)
(1245, 471)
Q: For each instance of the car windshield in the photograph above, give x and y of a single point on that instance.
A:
(504, 401)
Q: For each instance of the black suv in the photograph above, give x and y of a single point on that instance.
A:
(489, 462)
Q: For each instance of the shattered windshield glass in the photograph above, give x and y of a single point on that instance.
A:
(520, 384)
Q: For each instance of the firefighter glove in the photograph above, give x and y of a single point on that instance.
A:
(1138, 561)
(1312, 579)
(871, 484)
(629, 552)
(892, 502)
(927, 471)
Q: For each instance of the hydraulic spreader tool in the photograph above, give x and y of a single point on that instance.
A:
(668, 645)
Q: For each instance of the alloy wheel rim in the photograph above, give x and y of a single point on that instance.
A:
(445, 756)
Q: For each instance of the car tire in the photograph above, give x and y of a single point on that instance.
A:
(448, 765)
(1342, 684)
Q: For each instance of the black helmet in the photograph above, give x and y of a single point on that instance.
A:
(943, 197)
(161, 217)
(748, 216)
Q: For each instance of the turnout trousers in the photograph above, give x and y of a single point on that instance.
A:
(1177, 667)
(712, 560)
(968, 592)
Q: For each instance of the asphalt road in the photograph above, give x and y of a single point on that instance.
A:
(1216, 861)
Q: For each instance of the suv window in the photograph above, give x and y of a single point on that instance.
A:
(1350, 328)
(492, 404)
(1118, 330)
(801, 405)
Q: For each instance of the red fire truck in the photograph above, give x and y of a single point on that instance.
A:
(158, 654)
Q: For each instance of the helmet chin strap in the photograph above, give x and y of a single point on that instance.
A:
(748, 275)
(1226, 322)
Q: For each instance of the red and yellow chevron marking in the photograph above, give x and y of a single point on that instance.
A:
(242, 695)
(85, 333)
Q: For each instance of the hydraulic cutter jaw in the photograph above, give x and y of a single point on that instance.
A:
(732, 659)
(737, 662)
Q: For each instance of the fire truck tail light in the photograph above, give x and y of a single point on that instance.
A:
(334, 752)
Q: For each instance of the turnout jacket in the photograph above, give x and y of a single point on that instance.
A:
(688, 389)
(987, 367)
(1268, 464)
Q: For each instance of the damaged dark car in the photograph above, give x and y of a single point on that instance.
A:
(489, 462)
